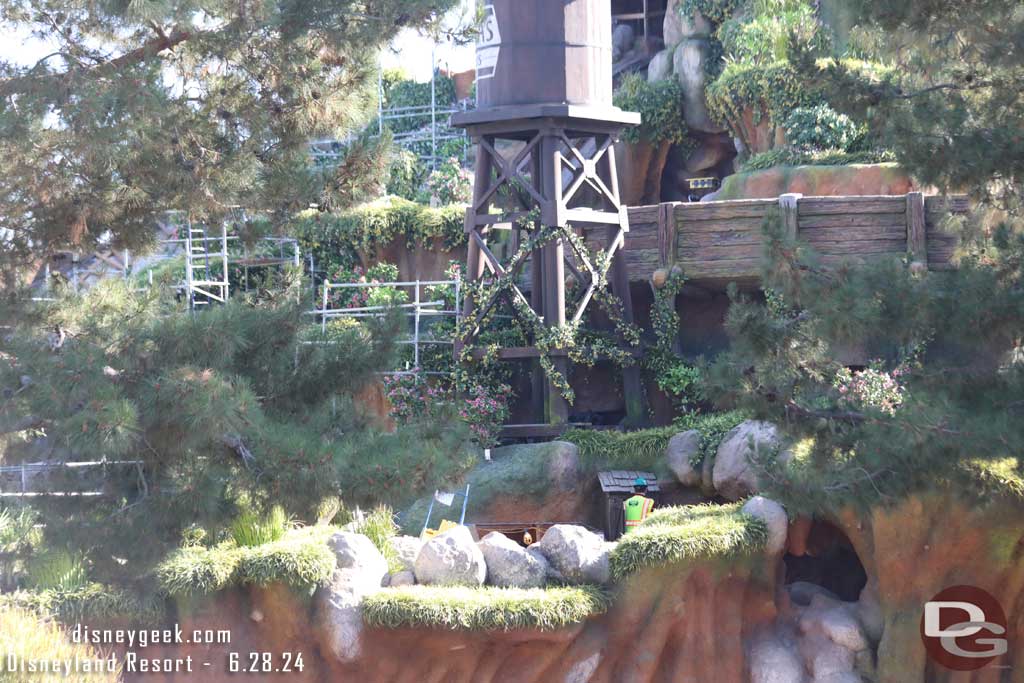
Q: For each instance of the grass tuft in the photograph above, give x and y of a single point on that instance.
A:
(483, 609)
(25, 636)
(300, 559)
(643, 449)
(688, 533)
(92, 602)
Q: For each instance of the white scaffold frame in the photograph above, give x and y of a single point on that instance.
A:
(28, 470)
(417, 309)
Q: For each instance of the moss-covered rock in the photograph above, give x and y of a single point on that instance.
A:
(541, 482)
(854, 179)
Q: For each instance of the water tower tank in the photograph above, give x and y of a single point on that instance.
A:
(545, 52)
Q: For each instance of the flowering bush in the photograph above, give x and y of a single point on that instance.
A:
(412, 397)
(870, 388)
(485, 410)
(450, 183)
(358, 297)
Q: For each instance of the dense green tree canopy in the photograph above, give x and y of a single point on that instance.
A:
(146, 106)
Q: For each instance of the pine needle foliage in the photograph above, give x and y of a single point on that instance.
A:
(143, 107)
(483, 609)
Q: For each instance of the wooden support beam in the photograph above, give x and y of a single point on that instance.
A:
(917, 243)
(788, 207)
(667, 227)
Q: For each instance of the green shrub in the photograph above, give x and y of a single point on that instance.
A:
(483, 609)
(766, 37)
(688, 534)
(683, 382)
(660, 107)
(790, 157)
(252, 529)
(26, 636)
(770, 90)
(91, 602)
(823, 128)
(57, 570)
(715, 11)
(340, 238)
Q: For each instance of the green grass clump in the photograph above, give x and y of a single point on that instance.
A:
(380, 527)
(26, 636)
(91, 602)
(251, 529)
(642, 449)
(688, 533)
(300, 559)
(483, 609)
(712, 427)
(57, 570)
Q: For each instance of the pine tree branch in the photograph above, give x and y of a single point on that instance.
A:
(22, 84)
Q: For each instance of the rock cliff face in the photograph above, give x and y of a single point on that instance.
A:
(729, 621)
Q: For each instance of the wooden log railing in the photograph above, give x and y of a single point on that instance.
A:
(724, 241)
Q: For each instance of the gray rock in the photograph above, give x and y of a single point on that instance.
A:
(734, 474)
(823, 657)
(550, 572)
(678, 27)
(688, 64)
(864, 664)
(358, 555)
(403, 578)
(844, 677)
(451, 558)
(773, 661)
(707, 477)
(509, 565)
(682, 449)
(361, 571)
(660, 67)
(578, 554)
(803, 592)
(406, 548)
(711, 151)
(842, 628)
(774, 516)
(869, 611)
(623, 38)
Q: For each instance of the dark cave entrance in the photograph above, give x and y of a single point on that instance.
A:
(830, 562)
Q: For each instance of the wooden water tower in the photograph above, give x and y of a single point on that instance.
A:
(544, 132)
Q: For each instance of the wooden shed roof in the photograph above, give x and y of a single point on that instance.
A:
(621, 481)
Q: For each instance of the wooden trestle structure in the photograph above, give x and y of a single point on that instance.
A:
(558, 181)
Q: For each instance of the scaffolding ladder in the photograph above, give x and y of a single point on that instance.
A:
(206, 281)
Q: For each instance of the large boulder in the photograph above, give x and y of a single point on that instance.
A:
(734, 475)
(775, 518)
(552, 574)
(678, 26)
(683, 450)
(509, 565)
(578, 554)
(361, 571)
(542, 481)
(825, 658)
(451, 559)
(660, 67)
(406, 549)
(838, 623)
(623, 37)
(688, 61)
(774, 661)
(403, 578)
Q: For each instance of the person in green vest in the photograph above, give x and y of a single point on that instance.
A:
(639, 506)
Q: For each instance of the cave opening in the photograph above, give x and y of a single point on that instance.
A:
(828, 560)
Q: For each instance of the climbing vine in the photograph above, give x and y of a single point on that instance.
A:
(581, 349)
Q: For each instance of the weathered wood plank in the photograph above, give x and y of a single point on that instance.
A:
(743, 208)
(892, 246)
(732, 252)
(855, 233)
(754, 225)
(735, 268)
(853, 219)
(788, 211)
(951, 204)
(917, 243)
(643, 214)
(819, 206)
(719, 239)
